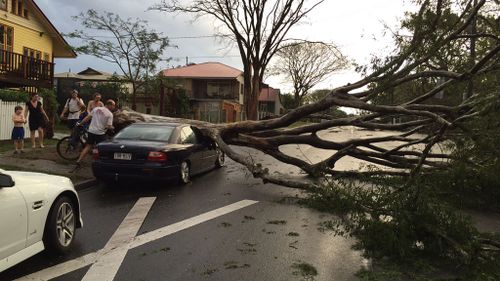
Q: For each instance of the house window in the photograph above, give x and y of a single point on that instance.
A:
(6, 37)
(3, 5)
(219, 89)
(19, 8)
(31, 53)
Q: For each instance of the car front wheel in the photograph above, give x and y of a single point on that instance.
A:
(184, 173)
(60, 226)
(219, 162)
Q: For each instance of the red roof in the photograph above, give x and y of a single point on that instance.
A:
(203, 70)
(268, 94)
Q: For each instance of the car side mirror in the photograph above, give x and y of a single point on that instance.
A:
(6, 181)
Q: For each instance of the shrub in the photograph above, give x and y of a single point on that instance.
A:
(12, 95)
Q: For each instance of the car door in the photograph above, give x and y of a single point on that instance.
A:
(209, 150)
(196, 151)
(13, 221)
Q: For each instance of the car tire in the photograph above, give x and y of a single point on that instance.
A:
(221, 157)
(60, 227)
(184, 173)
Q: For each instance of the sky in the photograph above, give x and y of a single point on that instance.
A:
(355, 26)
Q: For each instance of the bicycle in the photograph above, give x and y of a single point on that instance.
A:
(69, 147)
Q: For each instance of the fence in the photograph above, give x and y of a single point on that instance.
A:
(6, 124)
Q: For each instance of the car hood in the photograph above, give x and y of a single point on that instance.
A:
(31, 180)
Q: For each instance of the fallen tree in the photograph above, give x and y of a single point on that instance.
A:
(442, 82)
(412, 62)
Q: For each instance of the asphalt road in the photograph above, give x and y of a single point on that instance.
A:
(270, 239)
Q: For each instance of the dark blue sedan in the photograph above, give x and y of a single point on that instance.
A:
(155, 151)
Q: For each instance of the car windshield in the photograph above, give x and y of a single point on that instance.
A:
(149, 133)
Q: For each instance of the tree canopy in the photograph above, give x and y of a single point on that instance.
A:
(305, 64)
(128, 43)
(258, 29)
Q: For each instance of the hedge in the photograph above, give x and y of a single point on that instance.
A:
(12, 95)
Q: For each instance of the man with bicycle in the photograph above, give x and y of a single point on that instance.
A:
(74, 106)
(101, 121)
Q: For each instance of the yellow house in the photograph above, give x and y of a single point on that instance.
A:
(29, 42)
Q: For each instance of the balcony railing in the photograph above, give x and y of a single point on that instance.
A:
(20, 70)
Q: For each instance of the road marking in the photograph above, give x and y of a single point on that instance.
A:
(107, 265)
(72, 265)
(187, 223)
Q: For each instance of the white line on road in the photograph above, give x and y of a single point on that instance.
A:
(69, 266)
(107, 265)
(176, 227)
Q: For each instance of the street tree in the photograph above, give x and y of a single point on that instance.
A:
(257, 27)
(305, 64)
(128, 43)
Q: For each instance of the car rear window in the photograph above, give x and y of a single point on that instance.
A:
(149, 133)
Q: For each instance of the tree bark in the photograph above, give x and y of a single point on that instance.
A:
(134, 99)
(253, 100)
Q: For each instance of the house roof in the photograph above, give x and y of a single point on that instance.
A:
(269, 94)
(62, 49)
(203, 70)
(87, 74)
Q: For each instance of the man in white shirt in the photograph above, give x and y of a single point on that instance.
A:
(73, 106)
(101, 121)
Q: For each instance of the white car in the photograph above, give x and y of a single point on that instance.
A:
(37, 212)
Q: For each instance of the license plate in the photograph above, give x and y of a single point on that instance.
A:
(122, 156)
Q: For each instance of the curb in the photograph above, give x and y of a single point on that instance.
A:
(85, 184)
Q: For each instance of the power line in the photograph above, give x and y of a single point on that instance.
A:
(207, 57)
(170, 38)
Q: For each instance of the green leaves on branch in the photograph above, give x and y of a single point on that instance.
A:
(128, 43)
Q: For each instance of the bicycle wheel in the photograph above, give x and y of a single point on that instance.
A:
(68, 151)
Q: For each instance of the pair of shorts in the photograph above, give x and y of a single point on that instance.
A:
(18, 133)
(71, 123)
(94, 139)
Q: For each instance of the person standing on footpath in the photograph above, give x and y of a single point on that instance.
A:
(95, 102)
(101, 121)
(74, 106)
(18, 130)
(36, 119)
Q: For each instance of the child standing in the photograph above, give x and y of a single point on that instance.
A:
(18, 130)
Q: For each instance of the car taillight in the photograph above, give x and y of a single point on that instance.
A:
(95, 154)
(157, 156)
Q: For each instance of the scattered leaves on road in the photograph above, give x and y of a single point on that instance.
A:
(277, 222)
(235, 265)
(210, 271)
(305, 270)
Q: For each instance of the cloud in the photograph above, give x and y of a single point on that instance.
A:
(353, 25)
(60, 12)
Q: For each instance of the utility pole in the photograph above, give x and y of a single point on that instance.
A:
(187, 60)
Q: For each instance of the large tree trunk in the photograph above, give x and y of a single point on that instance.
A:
(247, 90)
(134, 98)
(253, 100)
